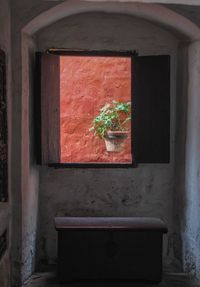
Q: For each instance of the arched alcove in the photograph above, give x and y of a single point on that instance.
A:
(164, 19)
(152, 12)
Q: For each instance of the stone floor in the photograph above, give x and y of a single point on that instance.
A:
(49, 280)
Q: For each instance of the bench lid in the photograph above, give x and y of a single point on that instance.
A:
(127, 223)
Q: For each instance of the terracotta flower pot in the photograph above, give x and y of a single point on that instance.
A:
(114, 140)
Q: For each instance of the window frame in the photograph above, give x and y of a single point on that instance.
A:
(150, 87)
(103, 53)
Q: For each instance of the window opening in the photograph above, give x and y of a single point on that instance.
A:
(95, 109)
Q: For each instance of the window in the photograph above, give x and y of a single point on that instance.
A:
(102, 108)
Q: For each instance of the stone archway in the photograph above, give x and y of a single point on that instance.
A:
(151, 12)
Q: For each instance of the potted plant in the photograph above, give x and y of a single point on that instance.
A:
(111, 124)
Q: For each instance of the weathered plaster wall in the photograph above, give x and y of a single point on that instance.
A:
(24, 188)
(29, 167)
(190, 222)
(5, 207)
(186, 196)
(146, 190)
(180, 139)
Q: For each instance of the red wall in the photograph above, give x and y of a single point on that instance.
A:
(86, 84)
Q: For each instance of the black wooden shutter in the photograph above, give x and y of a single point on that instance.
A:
(151, 115)
(47, 103)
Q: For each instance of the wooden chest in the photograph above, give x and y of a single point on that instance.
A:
(110, 248)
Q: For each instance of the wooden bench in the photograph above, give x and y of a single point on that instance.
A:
(110, 248)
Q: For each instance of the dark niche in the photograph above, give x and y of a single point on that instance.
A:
(3, 243)
(3, 131)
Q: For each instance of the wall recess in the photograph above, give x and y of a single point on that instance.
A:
(3, 243)
(3, 131)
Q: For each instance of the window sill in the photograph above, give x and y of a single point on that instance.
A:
(92, 165)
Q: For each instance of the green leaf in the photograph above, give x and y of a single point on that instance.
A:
(110, 118)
